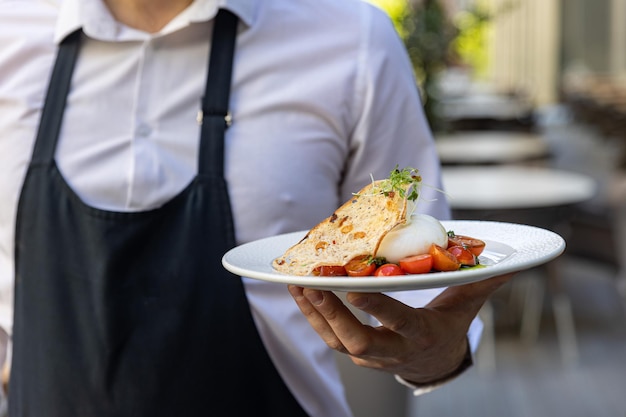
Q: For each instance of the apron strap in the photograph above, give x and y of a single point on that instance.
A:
(214, 116)
(51, 120)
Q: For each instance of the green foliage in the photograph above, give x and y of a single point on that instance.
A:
(434, 40)
(428, 33)
(395, 9)
(428, 36)
(471, 44)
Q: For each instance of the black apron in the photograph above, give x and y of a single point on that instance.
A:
(131, 313)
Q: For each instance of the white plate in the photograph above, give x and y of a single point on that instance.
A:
(509, 248)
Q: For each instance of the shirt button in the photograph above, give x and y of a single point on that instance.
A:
(143, 130)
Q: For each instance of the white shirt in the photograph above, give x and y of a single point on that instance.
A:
(323, 97)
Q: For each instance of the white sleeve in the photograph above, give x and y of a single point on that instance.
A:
(390, 127)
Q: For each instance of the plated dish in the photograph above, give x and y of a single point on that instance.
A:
(509, 248)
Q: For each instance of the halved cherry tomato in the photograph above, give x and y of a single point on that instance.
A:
(442, 259)
(387, 270)
(464, 255)
(361, 266)
(417, 264)
(475, 245)
(330, 271)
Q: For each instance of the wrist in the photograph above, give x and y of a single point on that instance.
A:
(465, 362)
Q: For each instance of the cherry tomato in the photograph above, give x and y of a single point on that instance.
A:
(361, 266)
(464, 255)
(330, 271)
(475, 245)
(387, 270)
(442, 259)
(417, 264)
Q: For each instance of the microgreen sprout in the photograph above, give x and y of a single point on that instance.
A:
(400, 181)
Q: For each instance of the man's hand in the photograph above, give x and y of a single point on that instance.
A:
(420, 345)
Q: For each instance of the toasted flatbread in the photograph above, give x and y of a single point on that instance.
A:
(356, 228)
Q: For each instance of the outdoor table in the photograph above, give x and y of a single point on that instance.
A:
(530, 195)
(490, 147)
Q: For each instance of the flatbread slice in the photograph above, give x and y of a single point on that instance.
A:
(356, 228)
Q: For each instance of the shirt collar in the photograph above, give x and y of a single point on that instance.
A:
(93, 17)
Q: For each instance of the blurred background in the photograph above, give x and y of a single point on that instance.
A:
(527, 101)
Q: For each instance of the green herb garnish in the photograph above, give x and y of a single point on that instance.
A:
(400, 181)
(378, 260)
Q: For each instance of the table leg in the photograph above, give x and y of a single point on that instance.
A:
(563, 315)
(532, 309)
(487, 361)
